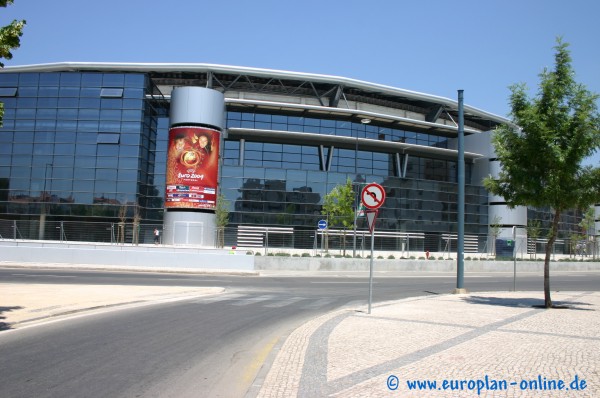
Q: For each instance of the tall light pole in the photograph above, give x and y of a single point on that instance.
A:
(364, 121)
(460, 250)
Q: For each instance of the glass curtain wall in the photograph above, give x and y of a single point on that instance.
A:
(282, 184)
(76, 145)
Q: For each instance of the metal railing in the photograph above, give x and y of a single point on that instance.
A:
(271, 240)
(73, 231)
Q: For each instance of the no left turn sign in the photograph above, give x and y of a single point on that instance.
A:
(373, 196)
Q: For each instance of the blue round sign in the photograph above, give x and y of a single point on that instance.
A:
(322, 224)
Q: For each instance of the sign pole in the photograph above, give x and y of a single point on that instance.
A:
(372, 197)
(371, 269)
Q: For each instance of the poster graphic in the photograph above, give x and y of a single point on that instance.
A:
(192, 168)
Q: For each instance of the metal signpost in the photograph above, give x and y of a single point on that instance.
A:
(322, 225)
(372, 197)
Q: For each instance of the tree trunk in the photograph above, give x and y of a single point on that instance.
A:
(549, 248)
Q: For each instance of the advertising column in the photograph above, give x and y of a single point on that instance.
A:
(192, 176)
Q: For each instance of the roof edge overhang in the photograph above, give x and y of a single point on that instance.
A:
(294, 138)
(402, 122)
(267, 73)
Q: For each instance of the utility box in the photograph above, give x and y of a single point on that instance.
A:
(505, 247)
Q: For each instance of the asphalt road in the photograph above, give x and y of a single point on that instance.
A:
(211, 346)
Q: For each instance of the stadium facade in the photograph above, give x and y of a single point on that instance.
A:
(88, 142)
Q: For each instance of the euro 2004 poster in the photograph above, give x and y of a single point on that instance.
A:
(192, 168)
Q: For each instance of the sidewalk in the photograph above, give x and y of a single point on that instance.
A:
(481, 344)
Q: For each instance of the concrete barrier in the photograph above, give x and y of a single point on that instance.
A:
(147, 256)
(357, 264)
(194, 258)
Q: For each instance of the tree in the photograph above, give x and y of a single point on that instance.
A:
(587, 225)
(222, 218)
(10, 38)
(495, 228)
(338, 207)
(542, 152)
(534, 229)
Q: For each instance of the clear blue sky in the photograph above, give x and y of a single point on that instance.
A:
(430, 46)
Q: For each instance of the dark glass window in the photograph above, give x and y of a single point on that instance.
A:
(91, 79)
(106, 162)
(106, 138)
(108, 150)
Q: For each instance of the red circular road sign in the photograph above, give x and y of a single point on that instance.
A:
(372, 196)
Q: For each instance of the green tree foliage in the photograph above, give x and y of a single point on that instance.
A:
(495, 227)
(338, 207)
(534, 229)
(542, 152)
(10, 38)
(222, 218)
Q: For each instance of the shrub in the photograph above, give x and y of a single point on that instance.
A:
(295, 255)
(305, 254)
(257, 254)
(391, 257)
(412, 257)
(440, 257)
(283, 254)
(431, 258)
(380, 257)
(421, 258)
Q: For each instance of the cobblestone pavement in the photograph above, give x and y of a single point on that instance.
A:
(481, 344)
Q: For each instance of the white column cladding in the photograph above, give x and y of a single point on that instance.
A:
(195, 106)
(481, 143)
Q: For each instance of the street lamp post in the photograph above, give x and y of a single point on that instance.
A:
(364, 121)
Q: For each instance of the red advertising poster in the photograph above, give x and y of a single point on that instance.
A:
(192, 168)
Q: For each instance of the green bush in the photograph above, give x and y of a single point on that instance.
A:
(305, 254)
(283, 254)
(257, 254)
(295, 255)
(391, 257)
(431, 258)
(380, 257)
(412, 257)
(440, 257)
(421, 258)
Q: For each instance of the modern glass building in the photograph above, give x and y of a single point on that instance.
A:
(87, 142)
